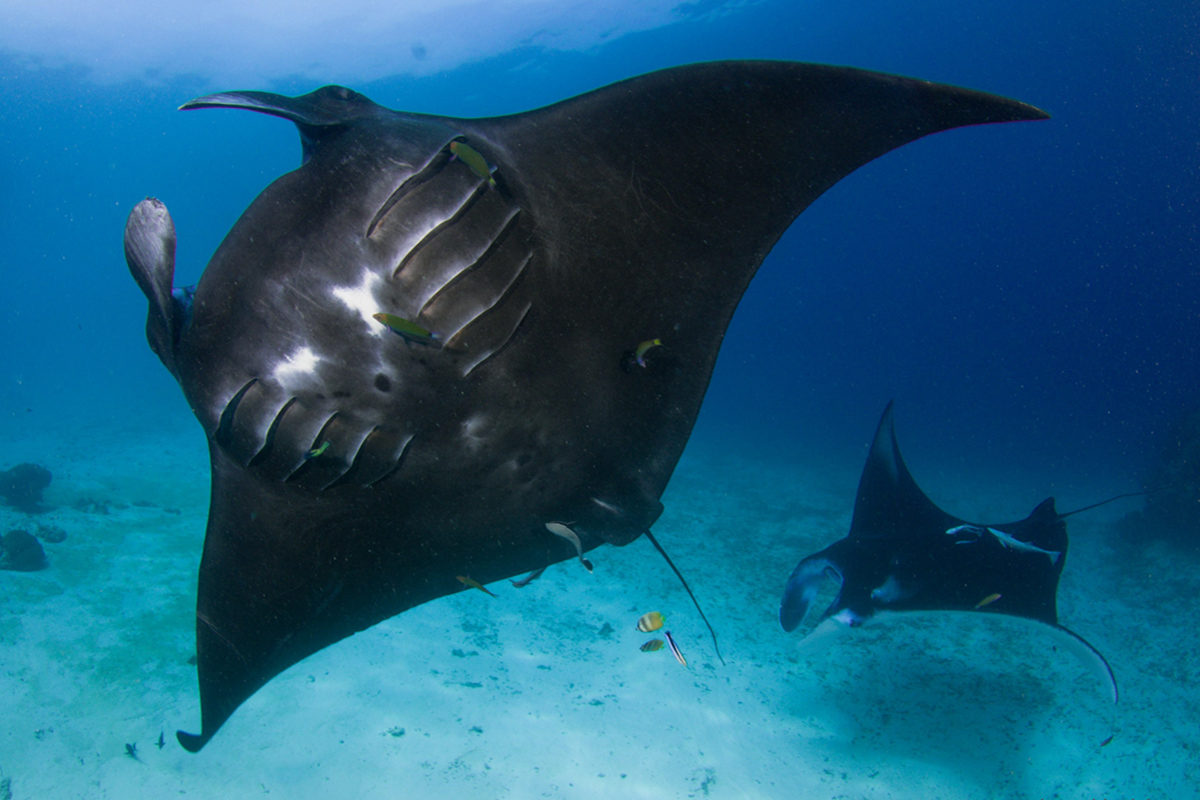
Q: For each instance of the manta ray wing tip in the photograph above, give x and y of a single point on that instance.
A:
(190, 741)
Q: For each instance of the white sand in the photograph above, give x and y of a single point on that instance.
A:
(528, 695)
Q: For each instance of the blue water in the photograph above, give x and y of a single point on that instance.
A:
(1027, 293)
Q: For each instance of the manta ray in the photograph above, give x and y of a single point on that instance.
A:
(438, 335)
(903, 553)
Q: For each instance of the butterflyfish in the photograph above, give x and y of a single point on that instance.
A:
(675, 648)
(558, 529)
(472, 158)
(640, 353)
(652, 646)
(409, 330)
(987, 601)
(650, 622)
(316, 451)
(474, 584)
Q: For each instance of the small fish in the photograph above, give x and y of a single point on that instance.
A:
(528, 579)
(131, 751)
(474, 584)
(640, 353)
(1107, 741)
(316, 451)
(472, 158)
(558, 529)
(987, 601)
(409, 330)
(653, 646)
(675, 648)
(650, 622)
(161, 741)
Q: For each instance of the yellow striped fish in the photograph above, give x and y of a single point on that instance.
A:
(650, 622)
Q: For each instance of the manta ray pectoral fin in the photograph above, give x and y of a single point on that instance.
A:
(802, 588)
(150, 254)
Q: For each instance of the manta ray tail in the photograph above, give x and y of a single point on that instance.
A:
(1112, 500)
(1089, 656)
(695, 602)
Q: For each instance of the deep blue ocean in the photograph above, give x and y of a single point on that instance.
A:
(1027, 293)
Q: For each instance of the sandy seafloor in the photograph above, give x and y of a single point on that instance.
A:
(543, 692)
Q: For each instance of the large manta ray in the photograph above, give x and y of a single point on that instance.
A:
(528, 262)
(903, 553)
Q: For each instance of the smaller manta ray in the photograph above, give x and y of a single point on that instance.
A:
(903, 553)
